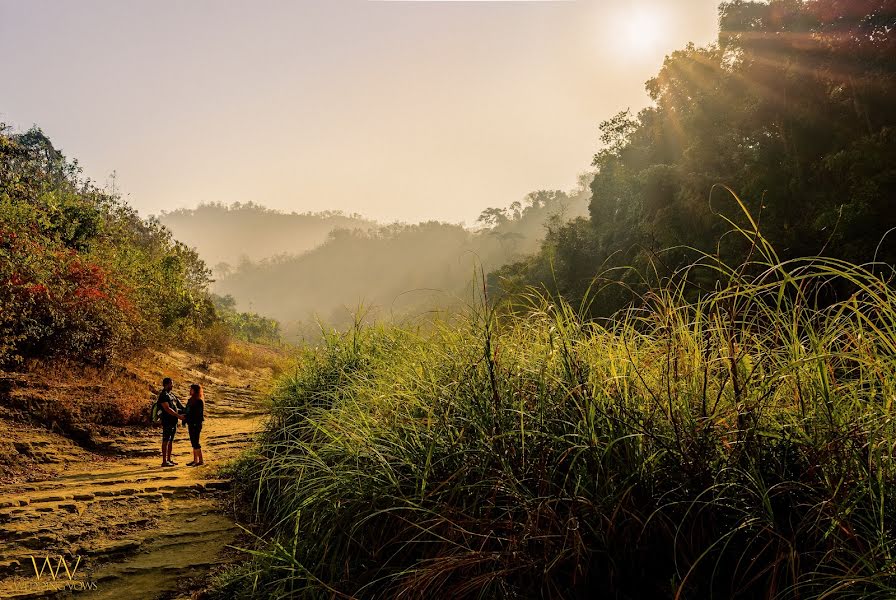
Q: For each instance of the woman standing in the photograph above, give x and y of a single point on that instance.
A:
(195, 415)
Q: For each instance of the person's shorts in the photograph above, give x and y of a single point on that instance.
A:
(194, 431)
(168, 432)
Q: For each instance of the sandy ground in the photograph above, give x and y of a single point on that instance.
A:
(134, 529)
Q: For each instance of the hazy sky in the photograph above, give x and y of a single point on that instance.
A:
(397, 110)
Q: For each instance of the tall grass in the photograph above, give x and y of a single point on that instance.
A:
(735, 446)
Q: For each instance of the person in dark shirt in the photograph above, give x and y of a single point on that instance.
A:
(170, 406)
(195, 415)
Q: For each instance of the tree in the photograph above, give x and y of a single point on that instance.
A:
(792, 109)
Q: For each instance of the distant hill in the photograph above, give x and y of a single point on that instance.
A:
(226, 234)
(397, 270)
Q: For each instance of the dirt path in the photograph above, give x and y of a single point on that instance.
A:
(141, 531)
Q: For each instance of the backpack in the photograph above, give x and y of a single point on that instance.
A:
(155, 410)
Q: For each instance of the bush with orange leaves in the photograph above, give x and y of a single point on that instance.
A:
(82, 276)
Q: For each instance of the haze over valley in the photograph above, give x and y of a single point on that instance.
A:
(301, 269)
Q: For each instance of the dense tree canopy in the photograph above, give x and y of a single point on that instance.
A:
(792, 109)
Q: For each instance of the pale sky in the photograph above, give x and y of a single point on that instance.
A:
(397, 110)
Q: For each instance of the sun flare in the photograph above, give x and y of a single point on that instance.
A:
(640, 30)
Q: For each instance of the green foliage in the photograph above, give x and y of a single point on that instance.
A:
(83, 276)
(736, 446)
(250, 327)
(792, 109)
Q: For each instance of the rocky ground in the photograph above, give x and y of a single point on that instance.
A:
(134, 529)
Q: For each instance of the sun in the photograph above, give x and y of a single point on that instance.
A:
(640, 30)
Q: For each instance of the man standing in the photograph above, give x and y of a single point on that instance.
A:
(169, 405)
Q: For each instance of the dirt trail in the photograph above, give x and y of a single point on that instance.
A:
(141, 531)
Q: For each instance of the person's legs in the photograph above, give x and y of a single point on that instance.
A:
(170, 448)
(194, 441)
(193, 444)
(198, 445)
(167, 444)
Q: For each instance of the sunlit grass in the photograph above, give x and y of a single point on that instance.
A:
(739, 445)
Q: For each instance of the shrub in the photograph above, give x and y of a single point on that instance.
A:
(82, 276)
(213, 340)
(247, 326)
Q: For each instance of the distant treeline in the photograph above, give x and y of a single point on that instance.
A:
(793, 109)
(225, 234)
(396, 270)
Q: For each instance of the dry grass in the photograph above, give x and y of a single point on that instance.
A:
(246, 355)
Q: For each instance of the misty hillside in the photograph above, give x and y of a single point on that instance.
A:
(224, 234)
(396, 270)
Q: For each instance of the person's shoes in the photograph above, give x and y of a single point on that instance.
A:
(168, 463)
(172, 462)
(199, 464)
(192, 464)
